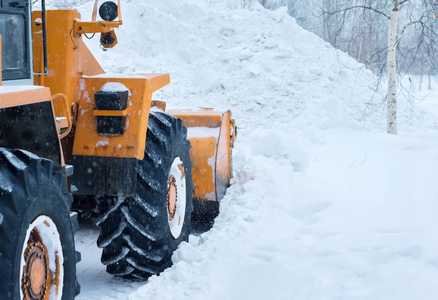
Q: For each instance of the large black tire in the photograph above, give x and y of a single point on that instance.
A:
(29, 190)
(135, 234)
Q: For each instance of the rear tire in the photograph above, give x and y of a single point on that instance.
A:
(139, 235)
(34, 219)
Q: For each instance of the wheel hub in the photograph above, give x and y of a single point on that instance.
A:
(172, 197)
(36, 280)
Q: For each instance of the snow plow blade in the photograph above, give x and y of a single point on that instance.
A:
(212, 135)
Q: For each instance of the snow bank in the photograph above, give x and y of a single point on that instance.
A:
(258, 63)
(324, 204)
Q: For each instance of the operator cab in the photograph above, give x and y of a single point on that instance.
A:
(16, 31)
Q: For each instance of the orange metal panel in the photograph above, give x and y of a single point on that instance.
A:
(68, 56)
(69, 64)
(112, 113)
(156, 81)
(204, 117)
(203, 154)
(159, 104)
(211, 156)
(132, 143)
(93, 27)
(11, 96)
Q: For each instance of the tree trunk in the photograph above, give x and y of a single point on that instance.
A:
(352, 37)
(324, 23)
(420, 84)
(359, 52)
(392, 69)
(377, 47)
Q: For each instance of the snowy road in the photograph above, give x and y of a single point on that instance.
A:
(95, 282)
(313, 234)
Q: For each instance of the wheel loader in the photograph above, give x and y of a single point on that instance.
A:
(75, 140)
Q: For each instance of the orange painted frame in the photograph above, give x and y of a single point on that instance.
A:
(132, 143)
(74, 72)
(68, 56)
(211, 156)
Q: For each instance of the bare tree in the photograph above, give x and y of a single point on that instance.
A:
(362, 28)
(425, 16)
(246, 3)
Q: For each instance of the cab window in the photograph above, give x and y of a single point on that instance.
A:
(15, 62)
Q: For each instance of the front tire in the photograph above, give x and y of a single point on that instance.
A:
(138, 235)
(37, 253)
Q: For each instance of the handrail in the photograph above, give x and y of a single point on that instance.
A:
(44, 19)
(66, 109)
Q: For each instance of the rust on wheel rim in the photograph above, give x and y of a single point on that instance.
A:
(172, 197)
(36, 280)
(176, 198)
(42, 260)
(181, 169)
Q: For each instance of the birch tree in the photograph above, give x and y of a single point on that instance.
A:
(388, 36)
(390, 10)
(392, 66)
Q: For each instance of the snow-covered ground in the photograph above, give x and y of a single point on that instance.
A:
(324, 204)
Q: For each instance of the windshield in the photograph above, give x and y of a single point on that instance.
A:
(14, 46)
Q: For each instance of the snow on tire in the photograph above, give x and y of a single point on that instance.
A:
(37, 253)
(139, 234)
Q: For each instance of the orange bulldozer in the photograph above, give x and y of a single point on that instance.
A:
(74, 140)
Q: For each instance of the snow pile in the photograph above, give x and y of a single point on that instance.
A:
(324, 204)
(255, 62)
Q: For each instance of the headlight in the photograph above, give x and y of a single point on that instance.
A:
(108, 11)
